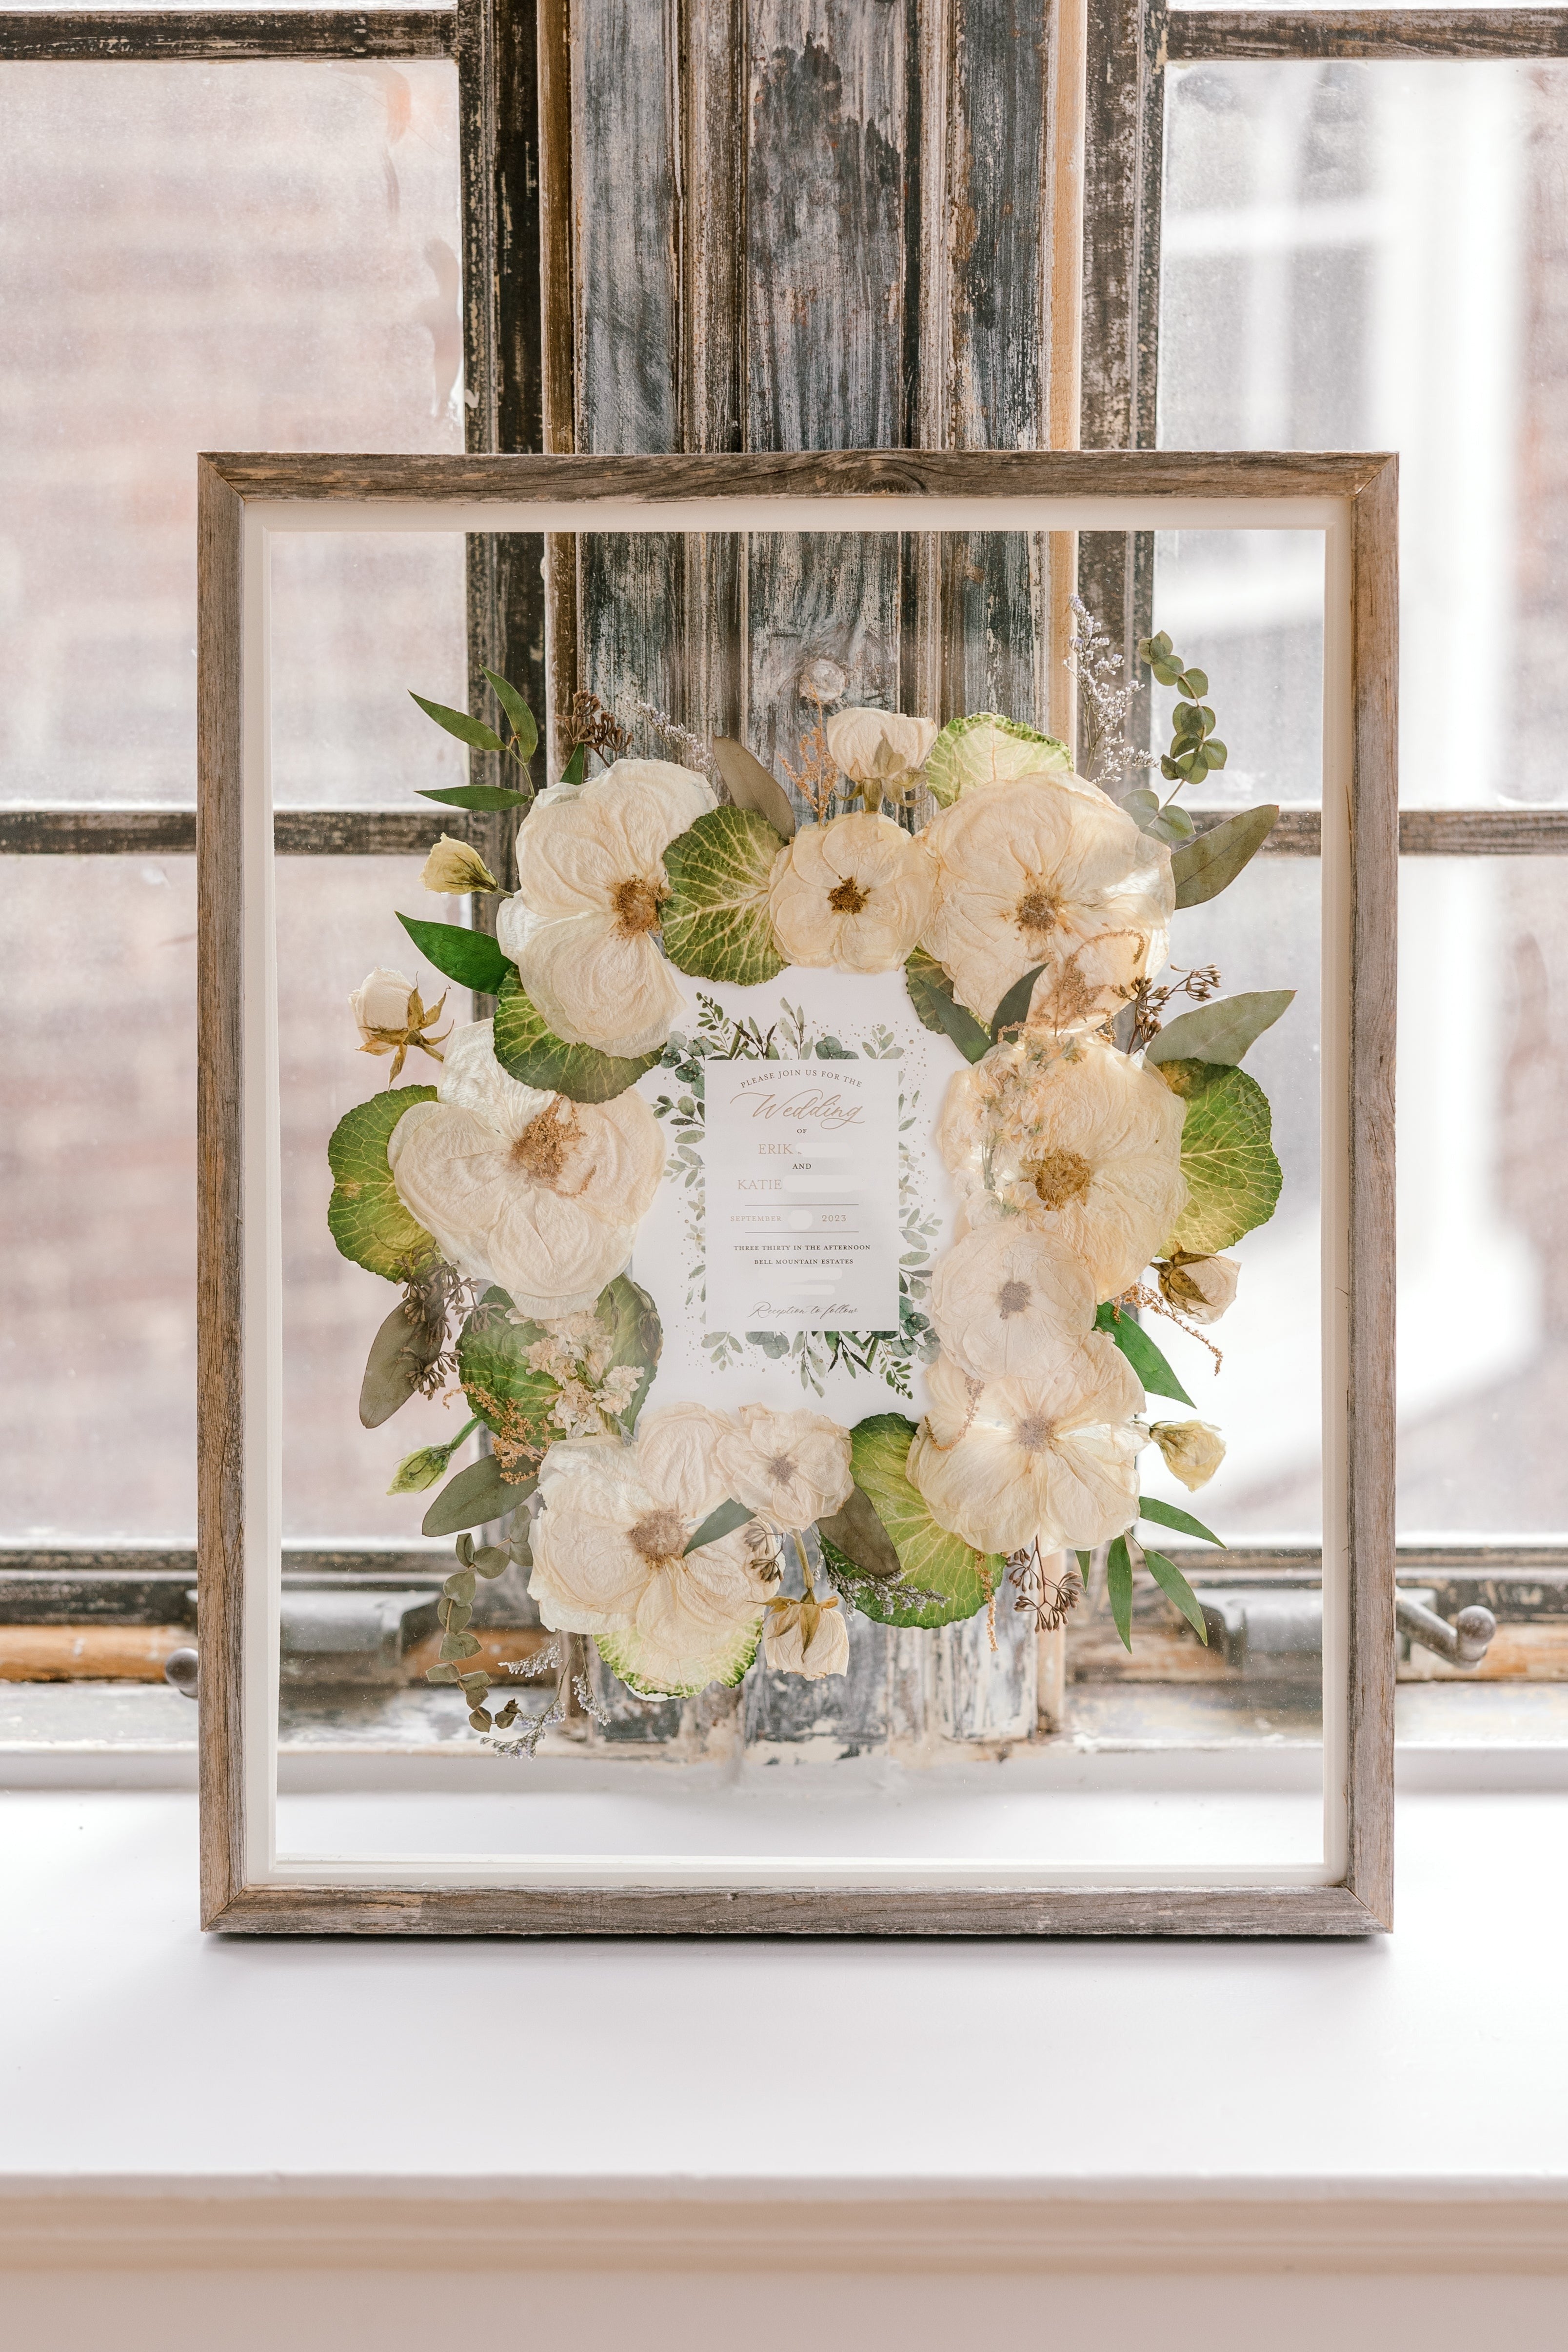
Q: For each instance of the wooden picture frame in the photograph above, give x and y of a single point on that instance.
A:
(1352, 500)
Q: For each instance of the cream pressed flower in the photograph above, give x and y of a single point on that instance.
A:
(878, 746)
(527, 1189)
(1078, 1140)
(391, 1017)
(1193, 1450)
(792, 1468)
(1045, 869)
(1009, 1299)
(453, 866)
(854, 893)
(581, 928)
(1052, 1458)
(610, 1556)
(807, 1637)
(1199, 1287)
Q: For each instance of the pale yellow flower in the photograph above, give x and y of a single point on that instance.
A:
(878, 746)
(527, 1189)
(1045, 869)
(854, 893)
(610, 1556)
(1009, 1299)
(456, 868)
(809, 1637)
(1052, 1458)
(390, 1018)
(792, 1468)
(580, 929)
(1079, 1141)
(1199, 1287)
(1193, 1450)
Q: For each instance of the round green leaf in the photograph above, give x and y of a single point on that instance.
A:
(623, 1653)
(987, 749)
(1233, 1178)
(364, 1216)
(715, 921)
(930, 1558)
(536, 1057)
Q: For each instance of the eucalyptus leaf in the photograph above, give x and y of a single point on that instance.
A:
(930, 994)
(1221, 1031)
(440, 1674)
(517, 712)
(932, 1560)
(1233, 1179)
(856, 1531)
(458, 1646)
(365, 1216)
(470, 958)
(751, 786)
(1195, 681)
(1014, 1006)
(397, 1362)
(722, 1521)
(1119, 1589)
(472, 731)
(1210, 864)
(1140, 1352)
(475, 1496)
(1175, 1586)
(984, 749)
(715, 922)
(1167, 1515)
(476, 796)
(1215, 752)
(532, 1053)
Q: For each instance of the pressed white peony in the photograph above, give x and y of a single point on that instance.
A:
(610, 1556)
(527, 1189)
(1045, 869)
(1009, 1299)
(1193, 1450)
(1199, 1287)
(792, 1468)
(855, 893)
(1052, 1458)
(1076, 1137)
(878, 746)
(808, 1637)
(581, 928)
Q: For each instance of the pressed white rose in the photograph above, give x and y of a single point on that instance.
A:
(792, 1468)
(380, 1002)
(1077, 1138)
(455, 868)
(580, 927)
(854, 893)
(878, 746)
(1193, 1450)
(1199, 1287)
(1009, 1299)
(1046, 869)
(1052, 1458)
(808, 1637)
(527, 1189)
(610, 1556)
(390, 1018)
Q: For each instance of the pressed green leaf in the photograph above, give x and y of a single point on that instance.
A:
(1215, 752)
(443, 1673)
(1172, 824)
(476, 796)
(517, 712)
(475, 1496)
(461, 1586)
(1195, 681)
(470, 958)
(638, 1335)
(857, 1533)
(931, 1558)
(930, 994)
(1168, 1516)
(985, 747)
(458, 723)
(622, 1653)
(458, 1646)
(535, 1055)
(722, 1521)
(512, 1398)
(364, 1216)
(1223, 1031)
(1119, 1589)
(396, 1364)
(1085, 1562)
(1211, 863)
(1175, 1586)
(1014, 1006)
(576, 767)
(1142, 1354)
(715, 921)
(1232, 1176)
(750, 785)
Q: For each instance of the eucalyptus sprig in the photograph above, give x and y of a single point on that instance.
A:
(518, 746)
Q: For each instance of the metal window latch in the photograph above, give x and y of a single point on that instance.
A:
(1465, 1642)
(1278, 1631)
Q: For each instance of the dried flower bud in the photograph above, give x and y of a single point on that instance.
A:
(807, 1637)
(380, 1005)
(1193, 1450)
(420, 1469)
(822, 680)
(455, 868)
(878, 746)
(1199, 1287)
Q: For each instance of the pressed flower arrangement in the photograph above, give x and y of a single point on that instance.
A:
(1104, 1153)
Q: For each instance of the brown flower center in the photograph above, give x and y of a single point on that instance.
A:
(1013, 1297)
(1036, 911)
(636, 905)
(781, 1469)
(660, 1537)
(849, 897)
(546, 1142)
(1059, 1177)
(1033, 1433)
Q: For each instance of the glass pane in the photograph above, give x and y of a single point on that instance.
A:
(199, 256)
(1369, 256)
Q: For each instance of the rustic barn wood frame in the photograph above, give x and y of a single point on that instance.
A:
(1353, 500)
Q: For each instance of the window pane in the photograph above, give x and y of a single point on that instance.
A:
(199, 256)
(1371, 257)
